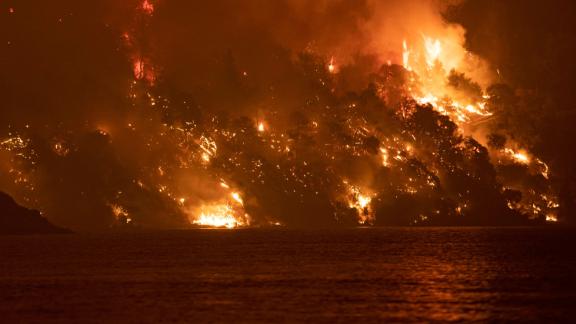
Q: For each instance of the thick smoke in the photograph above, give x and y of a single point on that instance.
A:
(188, 40)
(144, 111)
(531, 45)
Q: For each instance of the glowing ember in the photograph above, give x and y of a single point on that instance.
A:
(224, 185)
(551, 218)
(122, 216)
(60, 149)
(13, 143)
(205, 157)
(208, 147)
(148, 7)
(139, 69)
(385, 157)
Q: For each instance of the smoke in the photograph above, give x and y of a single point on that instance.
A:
(187, 39)
(530, 44)
(145, 111)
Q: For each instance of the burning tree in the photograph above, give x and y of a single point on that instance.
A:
(415, 142)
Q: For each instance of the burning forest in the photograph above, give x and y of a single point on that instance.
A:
(156, 114)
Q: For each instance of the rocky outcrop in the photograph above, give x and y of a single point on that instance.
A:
(15, 219)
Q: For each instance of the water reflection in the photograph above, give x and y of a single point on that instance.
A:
(403, 274)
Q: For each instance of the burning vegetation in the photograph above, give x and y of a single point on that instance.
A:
(405, 136)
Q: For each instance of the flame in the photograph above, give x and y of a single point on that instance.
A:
(138, 69)
(545, 170)
(205, 157)
(219, 215)
(143, 71)
(361, 202)
(122, 216)
(224, 185)
(331, 66)
(551, 218)
(385, 157)
(237, 198)
(208, 148)
(432, 89)
(433, 50)
(428, 64)
(261, 127)
(225, 213)
(519, 157)
(406, 56)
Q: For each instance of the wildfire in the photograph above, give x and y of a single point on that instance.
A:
(431, 75)
(429, 67)
(122, 216)
(225, 213)
(361, 202)
(220, 215)
(311, 158)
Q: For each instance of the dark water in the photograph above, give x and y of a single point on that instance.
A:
(401, 274)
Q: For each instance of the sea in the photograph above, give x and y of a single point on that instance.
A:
(387, 275)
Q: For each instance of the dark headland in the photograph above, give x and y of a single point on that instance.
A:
(18, 220)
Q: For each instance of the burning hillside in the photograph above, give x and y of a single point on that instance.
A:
(402, 130)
